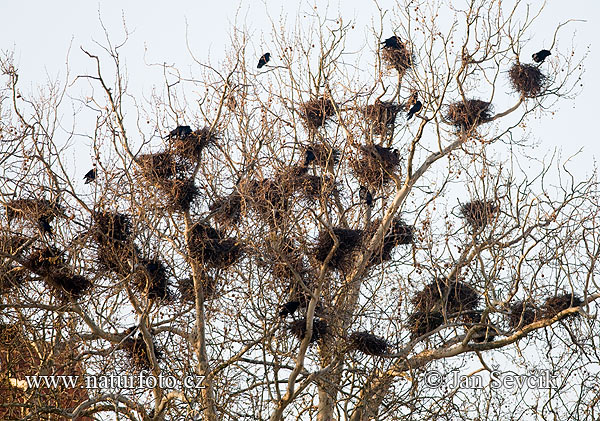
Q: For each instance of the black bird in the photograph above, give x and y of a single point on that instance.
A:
(180, 131)
(414, 109)
(289, 308)
(90, 176)
(540, 56)
(44, 225)
(393, 42)
(309, 156)
(365, 196)
(264, 60)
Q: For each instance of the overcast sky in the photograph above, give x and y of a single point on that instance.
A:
(41, 34)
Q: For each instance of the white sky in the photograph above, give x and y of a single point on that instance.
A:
(42, 32)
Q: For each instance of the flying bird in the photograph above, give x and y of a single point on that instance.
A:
(90, 176)
(392, 42)
(540, 56)
(264, 60)
(289, 308)
(180, 131)
(365, 196)
(414, 109)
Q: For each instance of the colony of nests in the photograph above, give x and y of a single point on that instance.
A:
(397, 55)
(522, 313)
(151, 279)
(137, 351)
(453, 296)
(478, 212)
(211, 248)
(189, 145)
(40, 211)
(374, 165)
(316, 111)
(423, 322)
(467, 115)
(49, 264)
(382, 115)
(399, 234)
(350, 241)
(527, 79)
(367, 343)
(320, 329)
(558, 303)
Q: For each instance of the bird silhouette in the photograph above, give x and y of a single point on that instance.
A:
(264, 60)
(365, 196)
(414, 109)
(179, 132)
(392, 42)
(309, 156)
(540, 56)
(289, 308)
(90, 176)
(44, 225)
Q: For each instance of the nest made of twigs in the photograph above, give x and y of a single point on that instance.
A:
(527, 79)
(32, 209)
(181, 194)
(382, 114)
(454, 296)
(399, 234)
(13, 244)
(320, 329)
(350, 241)
(45, 261)
(10, 335)
(423, 322)
(211, 248)
(470, 114)
(151, 278)
(374, 165)
(367, 343)
(190, 146)
(112, 226)
(321, 154)
(268, 198)
(316, 111)
(137, 351)
(227, 210)
(398, 56)
(157, 166)
(10, 277)
(478, 212)
(68, 285)
(311, 187)
(187, 292)
(522, 313)
(558, 303)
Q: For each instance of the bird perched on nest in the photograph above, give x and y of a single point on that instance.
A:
(540, 56)
(180, 131)
(392, 42)
(414, 109)
(365, 196)
(289, 308)
(90, 176)
(263, 60)
(309, 156)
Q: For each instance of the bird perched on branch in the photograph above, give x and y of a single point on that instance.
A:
(264, 60)
(365, 196)
(289, 308)
(392, 42)
(180, 131)
(540, 56)
(309, 156)
(414, 109)
(90, 176)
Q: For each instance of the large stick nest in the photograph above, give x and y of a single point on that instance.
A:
(211, 248)
(423, 322)
(367, 343)
(137, 351)
(382, 115)
(321, 154)
(527, 79)
(268, 198)
(311, 187)
(558, 303)
(316, 111)
(454, 296)
(467, 115)
(111, 227)
(320, 329)
(158, 166)
(181, 194)
(151, 279)
(190, 146)
(522, 313)
(374, 165)
(188, 293)
(398, 56)
(478, 212)
(227, 211)
(349, 242)
(32, 209)
(399, 234)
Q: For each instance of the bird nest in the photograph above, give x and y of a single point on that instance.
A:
(32, 209)
(187, 292)
(13, 244)
(112, 226)
(478, 212)
(157, 166)
(558, 303)
(67, 285)
(320, 329)
(374, 165)
(453, 296)
(181, 194)
(527, 79)
(470, 114)
(289, 308)
(209, 246)
(382, 115)
(150, 278)
(10, 335)
(423, 322)
(190, 146)
(522, 313)
(398, 56)
(268, 198)
(10, 277)
(227, 211)
(399, 234)
(137, 351)
(316, 111)
(311, 187)
(321, 154)
(367, 343)
(349, 242)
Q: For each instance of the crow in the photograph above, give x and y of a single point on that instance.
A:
(309, 156)
(90, 176)
(365, 196)
(289, 308)
(264, 60)
(393, 42)
(540, 56)
(44, 225)
(180, 131)
(414, 109)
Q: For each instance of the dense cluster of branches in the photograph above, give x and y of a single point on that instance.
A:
(294, 239)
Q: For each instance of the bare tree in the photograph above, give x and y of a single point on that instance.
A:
(315, 239)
